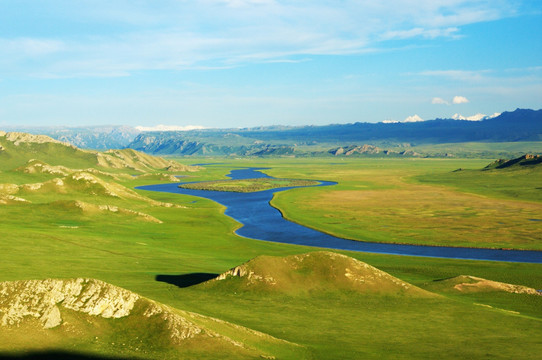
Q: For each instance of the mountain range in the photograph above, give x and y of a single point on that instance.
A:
(514, 126)
(518, 125)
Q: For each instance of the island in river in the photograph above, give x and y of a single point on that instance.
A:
(247, 185)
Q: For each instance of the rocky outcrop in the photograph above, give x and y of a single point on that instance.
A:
(49, 148)
(370, 150)
(354, 149)
(80, 182)
(522, 161)
(10, 199)
(42, 299)
(18, 138)
(90, 308)
(39, 167)
(132, 159)
(91, 208)
(470, 284)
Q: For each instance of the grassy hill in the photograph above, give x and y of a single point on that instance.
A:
(312, 273)
(527, 160)
(17, 149)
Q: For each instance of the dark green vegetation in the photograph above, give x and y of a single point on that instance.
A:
(247, 185)
(383, 139)
(523, 161)
(93, 225)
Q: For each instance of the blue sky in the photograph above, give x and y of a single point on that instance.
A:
(243, 63)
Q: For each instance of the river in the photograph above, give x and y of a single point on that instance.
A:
(261, 221)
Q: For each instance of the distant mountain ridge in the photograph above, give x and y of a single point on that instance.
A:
(518, 125)
(92, 137)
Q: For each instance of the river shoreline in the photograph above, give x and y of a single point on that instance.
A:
(262, 221)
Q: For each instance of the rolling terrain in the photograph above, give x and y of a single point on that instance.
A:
(92, 268)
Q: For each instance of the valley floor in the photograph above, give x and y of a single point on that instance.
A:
(414, 201)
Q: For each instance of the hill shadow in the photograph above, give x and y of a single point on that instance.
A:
(58, 355)
(186, 280)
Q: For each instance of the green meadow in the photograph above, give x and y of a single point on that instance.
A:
(151, 249)
(419, 201)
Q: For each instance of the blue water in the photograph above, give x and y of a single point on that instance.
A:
(261, 221)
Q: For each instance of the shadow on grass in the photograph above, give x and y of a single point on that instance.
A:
(185, 280)
(58, 355)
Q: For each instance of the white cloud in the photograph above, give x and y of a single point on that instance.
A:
(459, 75)
(215, 33)
(437, 100)
(169, 128)
(420, 32)
(413, 118)
(460, 100)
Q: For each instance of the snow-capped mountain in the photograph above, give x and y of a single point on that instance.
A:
(477, 117)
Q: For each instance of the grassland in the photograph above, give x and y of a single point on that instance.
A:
(419, 202)
(247, 185)
(50, 238)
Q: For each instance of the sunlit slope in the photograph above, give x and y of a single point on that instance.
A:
(36, 175)
(313, 272)
(16, 149)
(97, 317)
(340, 307)
(473, 284)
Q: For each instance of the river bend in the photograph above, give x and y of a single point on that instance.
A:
(261, 221)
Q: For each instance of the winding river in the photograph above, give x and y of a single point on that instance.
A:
(261, 221)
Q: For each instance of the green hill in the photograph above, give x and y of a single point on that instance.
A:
(16, 149)
(321, 271)
(473, 284)
(527, 160)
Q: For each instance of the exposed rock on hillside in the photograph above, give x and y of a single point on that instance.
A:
(10, 199)
(80, 182)
(19, 147)
(470, 284)
(18, 138)
(128, 158)
(36, 166)
(92, 208)
(525, 160)
(316, 271)
(365, 149)
(92, 137)
(42, 299)
(369, 150)
(159, 177)
(93, 309)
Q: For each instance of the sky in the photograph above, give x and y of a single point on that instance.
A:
(247, 63)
